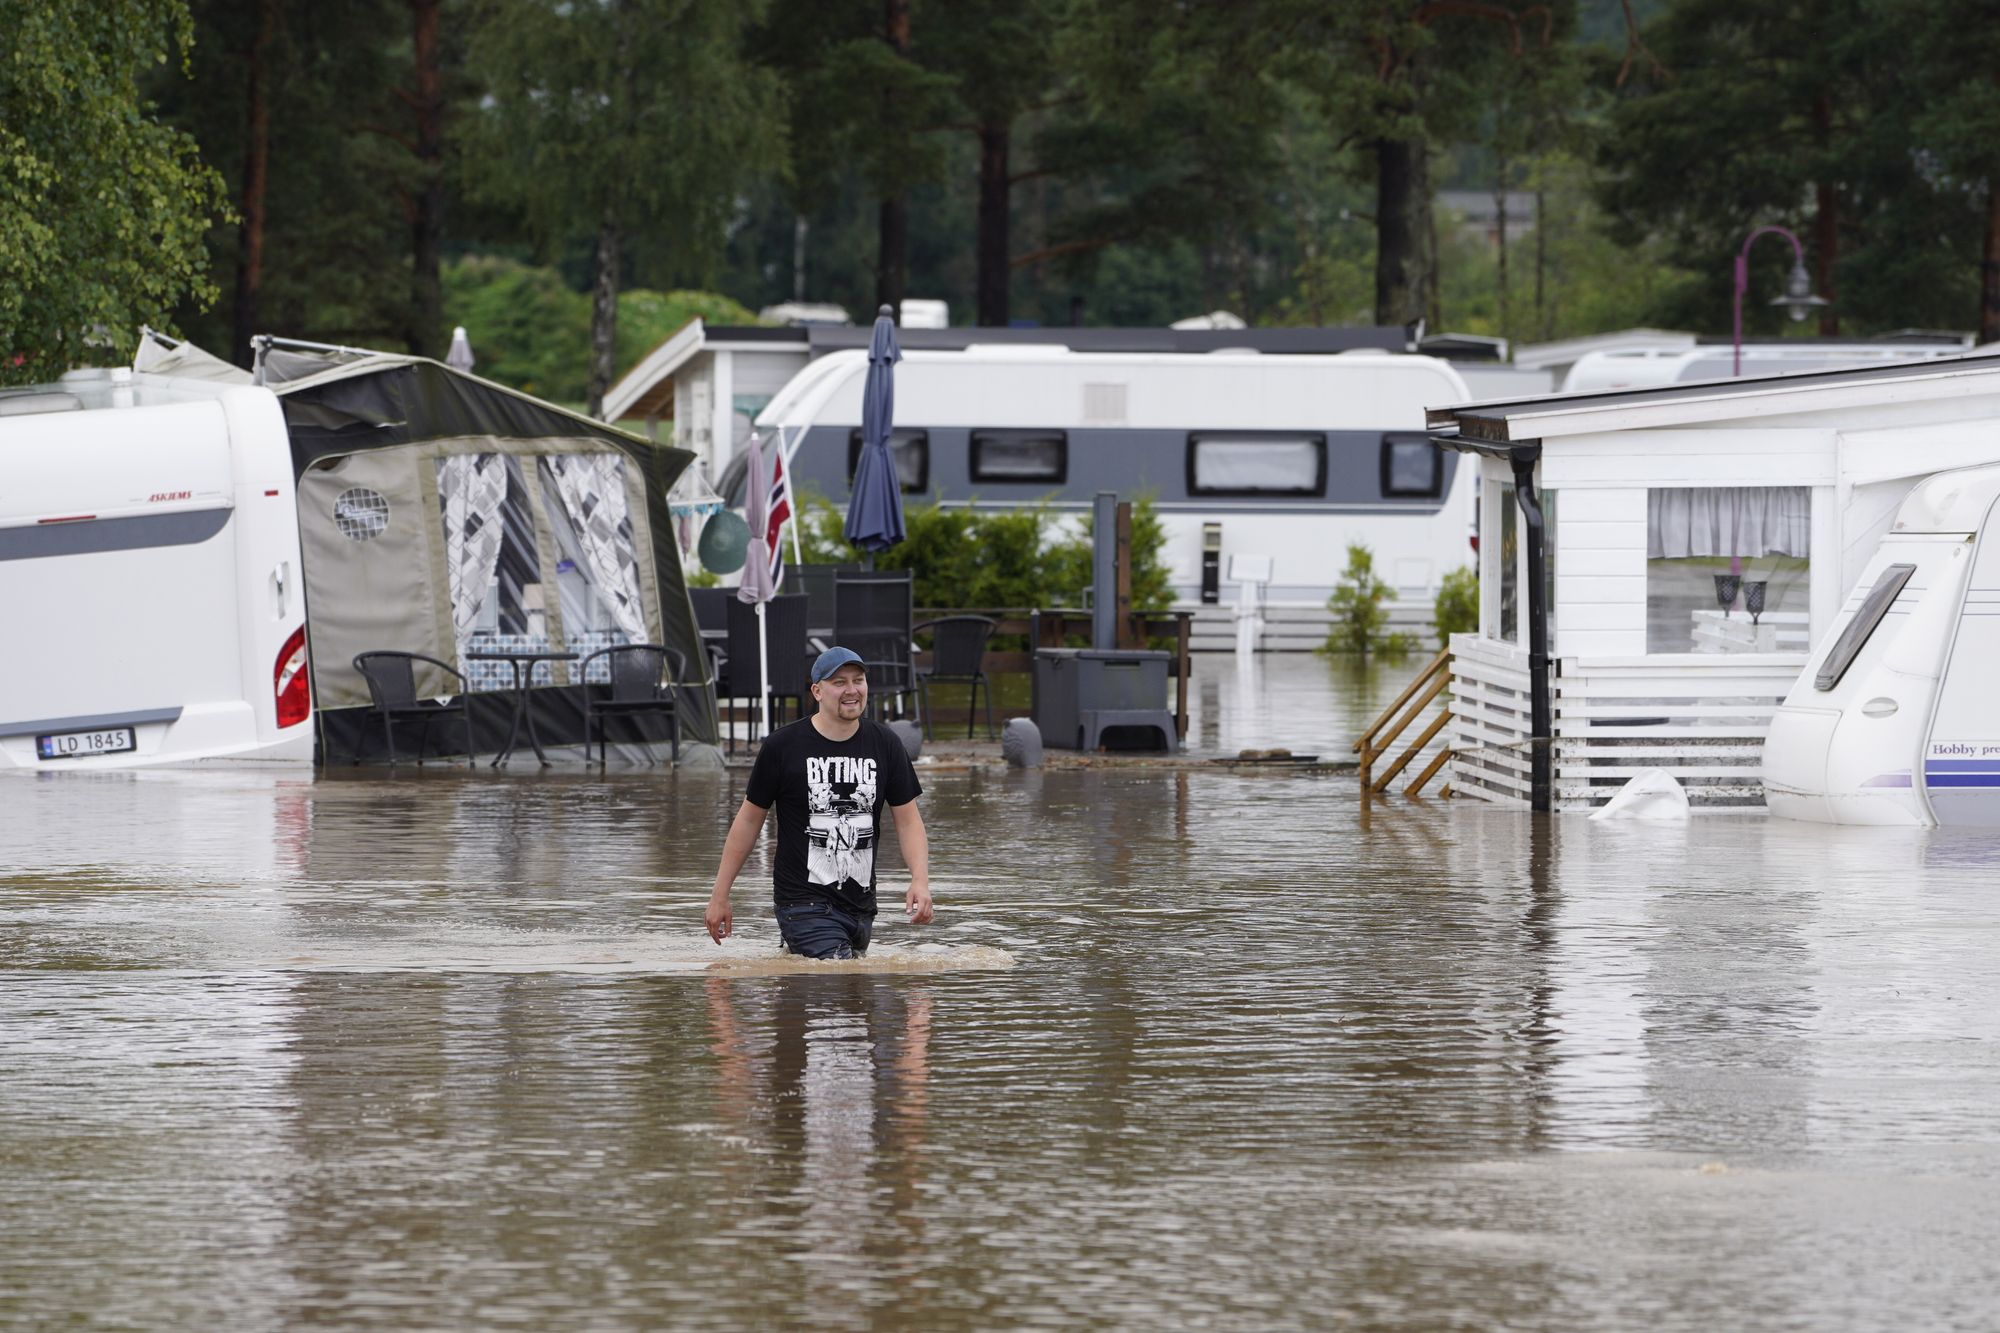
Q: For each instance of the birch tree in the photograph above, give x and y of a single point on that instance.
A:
(103, 208)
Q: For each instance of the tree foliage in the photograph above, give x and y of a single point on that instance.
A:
(1360, 620)
(622, 116)
(102, 207)
(1456, 610)
(531, 330)
(1096, 161)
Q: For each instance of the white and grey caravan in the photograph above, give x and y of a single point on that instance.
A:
(149, 556)
(1895, 720)
(1285, 456)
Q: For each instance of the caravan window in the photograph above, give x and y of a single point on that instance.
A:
(1412, 466)
(1855, 637)
(597, 572)
(912, 451)
(491, 562)
(1020, 455)
(1243, 463)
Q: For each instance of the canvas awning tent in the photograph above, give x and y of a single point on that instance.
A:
(443, 514)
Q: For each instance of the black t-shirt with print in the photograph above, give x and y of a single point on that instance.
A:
(829, 797)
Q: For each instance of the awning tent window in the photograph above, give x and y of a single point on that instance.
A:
(597, 574)
(491, 562)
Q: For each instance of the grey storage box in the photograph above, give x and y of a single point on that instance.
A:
(1082, 692)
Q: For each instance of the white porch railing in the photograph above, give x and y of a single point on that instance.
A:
(1490, 720)
(1700, 716)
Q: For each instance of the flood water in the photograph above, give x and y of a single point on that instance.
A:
(1183, 1049)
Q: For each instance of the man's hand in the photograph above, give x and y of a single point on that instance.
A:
(917, 904)
(718, 921)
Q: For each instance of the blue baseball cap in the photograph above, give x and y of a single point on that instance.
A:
(832, 660)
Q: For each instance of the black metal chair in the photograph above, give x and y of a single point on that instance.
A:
(392, 688)
(886, 657)
(711, 607)
(816, 582)
(787, 671)
(637, 672)
(871, 614)
(958, 656)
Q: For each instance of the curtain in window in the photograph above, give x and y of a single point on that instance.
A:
(1728, 520)
(472, 488)
(592, 490)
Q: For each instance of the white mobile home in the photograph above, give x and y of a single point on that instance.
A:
(1290, 457)
(149, 562)
(1658, 565)
(706, 384)
(1646, 367)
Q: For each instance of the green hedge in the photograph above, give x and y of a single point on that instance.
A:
(531, 331)
(994, 558)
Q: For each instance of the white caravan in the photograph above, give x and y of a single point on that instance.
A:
(149, 563)
(1286, 456)
(1652, 367)
(1895, 719)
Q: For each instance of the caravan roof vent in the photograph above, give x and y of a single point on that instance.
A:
(1023, 351)
(1104, 404)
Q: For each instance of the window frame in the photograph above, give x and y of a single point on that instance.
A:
(1868, 618)
(918, 436)
(984, 435)
(1317, 439)
(1393, 438)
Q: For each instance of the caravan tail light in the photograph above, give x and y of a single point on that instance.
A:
(291, 682)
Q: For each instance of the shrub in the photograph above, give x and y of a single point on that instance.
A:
(991, 558)
(1456, 610)
(1359, 618)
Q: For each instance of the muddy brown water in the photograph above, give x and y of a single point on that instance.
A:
(1183, 1049)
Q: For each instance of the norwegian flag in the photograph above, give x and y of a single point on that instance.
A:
(780, 511)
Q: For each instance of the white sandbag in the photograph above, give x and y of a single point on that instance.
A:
(1653, 794)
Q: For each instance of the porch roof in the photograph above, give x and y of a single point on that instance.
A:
(1502, 423)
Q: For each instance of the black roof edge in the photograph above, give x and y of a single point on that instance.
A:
(830, 338)
(756, 333)
(1449, 438)
(1898, 337)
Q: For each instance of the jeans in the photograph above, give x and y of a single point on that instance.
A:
(824, 930)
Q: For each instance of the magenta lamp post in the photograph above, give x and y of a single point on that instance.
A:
(1798, 297)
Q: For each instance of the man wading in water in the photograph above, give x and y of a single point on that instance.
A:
(829, 775)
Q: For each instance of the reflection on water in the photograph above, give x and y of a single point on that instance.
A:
(447, 1051)
(1303, 702)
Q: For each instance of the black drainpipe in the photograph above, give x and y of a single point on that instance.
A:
(1541, 722)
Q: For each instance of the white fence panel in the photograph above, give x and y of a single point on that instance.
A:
(1701, 717)
(1490, 720)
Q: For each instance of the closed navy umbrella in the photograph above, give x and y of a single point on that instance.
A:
(875, 505)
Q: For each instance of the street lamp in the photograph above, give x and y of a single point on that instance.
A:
(1798, 298)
